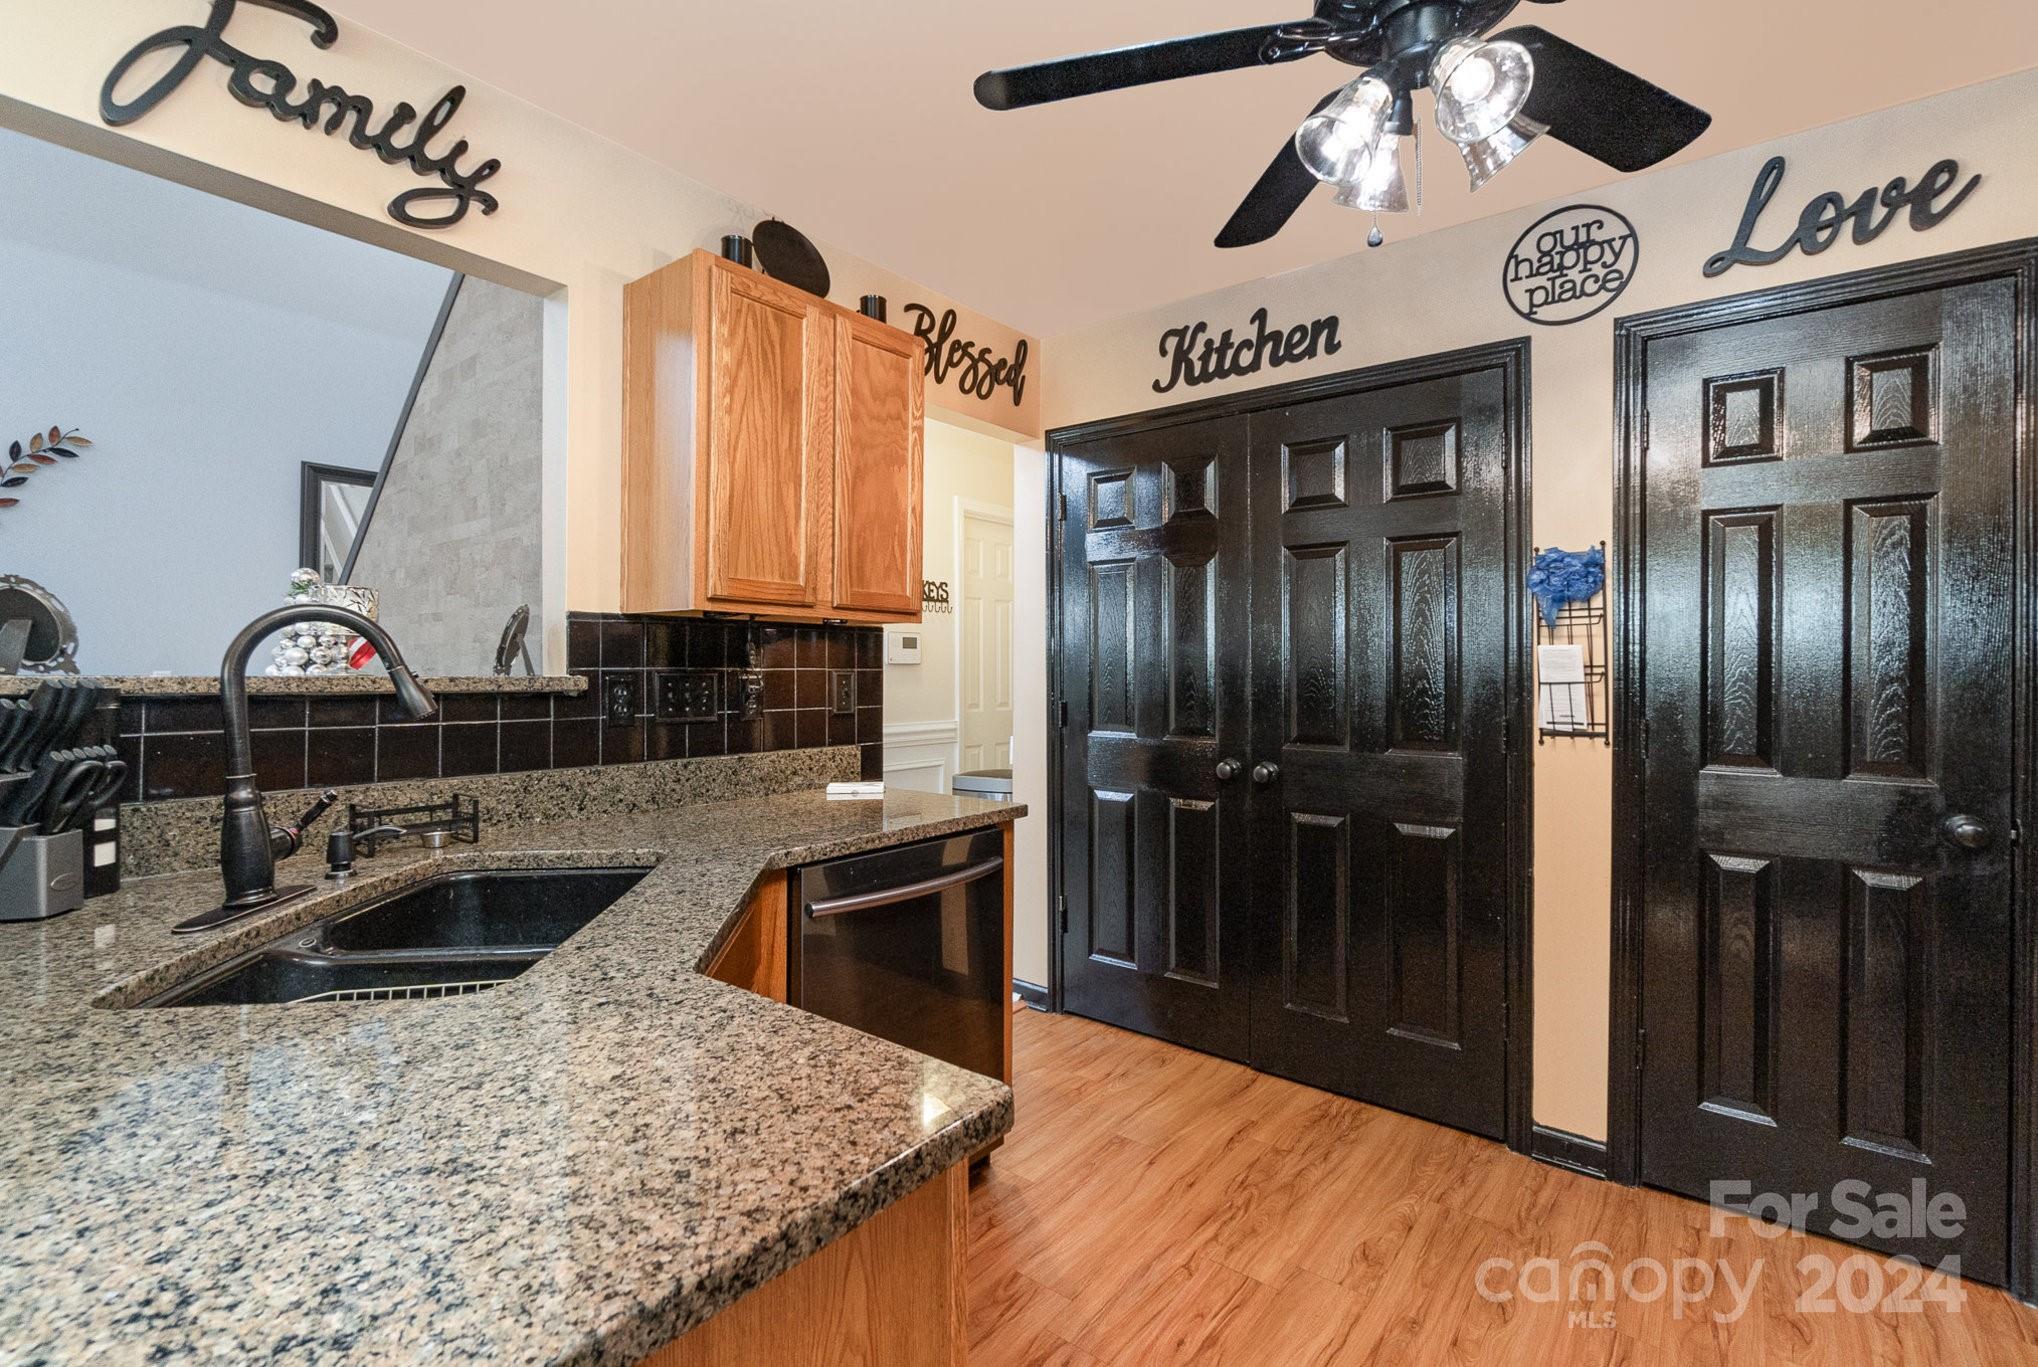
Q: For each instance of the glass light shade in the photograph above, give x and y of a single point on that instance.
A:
(1480, 88)
(1381, 187)
(1486, 158)
(1337, 142)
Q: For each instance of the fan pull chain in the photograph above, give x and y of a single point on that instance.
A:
(1418, 168)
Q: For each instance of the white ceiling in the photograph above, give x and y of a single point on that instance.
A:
(855, 121)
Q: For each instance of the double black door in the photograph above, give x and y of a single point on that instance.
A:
(1290, 646)
(1827, 689)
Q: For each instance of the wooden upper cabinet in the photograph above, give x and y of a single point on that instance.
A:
(770, 444)
(879, 418)
(772, 450)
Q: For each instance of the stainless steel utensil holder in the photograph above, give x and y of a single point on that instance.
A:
(42, 876)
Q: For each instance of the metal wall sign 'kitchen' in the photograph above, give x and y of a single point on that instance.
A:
(1195, 357)
(264, 83)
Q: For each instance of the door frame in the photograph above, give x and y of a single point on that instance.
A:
(965, 509)
(1512, 359)
(2017, 261)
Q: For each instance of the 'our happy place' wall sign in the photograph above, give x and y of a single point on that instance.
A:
(265, 83)
(1571, 265)
(1195, 357)
(1819, 226)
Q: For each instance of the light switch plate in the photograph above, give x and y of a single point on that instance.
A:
(842, 692)
(687, 695)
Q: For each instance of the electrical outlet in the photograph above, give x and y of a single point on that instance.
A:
(692, 695)
(620, 704)
(750, 695)
(842, 691)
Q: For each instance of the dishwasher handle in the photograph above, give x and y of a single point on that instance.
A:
(926, 887)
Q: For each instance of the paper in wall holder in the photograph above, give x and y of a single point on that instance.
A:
(1561, 669)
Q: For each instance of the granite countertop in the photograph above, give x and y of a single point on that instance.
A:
(371, 680)
(575, 1167)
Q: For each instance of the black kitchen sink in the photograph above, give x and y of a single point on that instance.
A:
(487, 909)
(449, 936)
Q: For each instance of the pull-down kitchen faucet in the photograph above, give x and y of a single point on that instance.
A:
(248, 844)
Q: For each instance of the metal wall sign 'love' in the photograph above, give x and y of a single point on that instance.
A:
(265, 83)
(1870, 214)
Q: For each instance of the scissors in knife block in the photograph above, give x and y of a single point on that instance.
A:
(84, 786)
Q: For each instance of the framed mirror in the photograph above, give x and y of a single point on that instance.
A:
(333, 507)
(262, 395)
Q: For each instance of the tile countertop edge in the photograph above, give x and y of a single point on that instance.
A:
(761, 1244)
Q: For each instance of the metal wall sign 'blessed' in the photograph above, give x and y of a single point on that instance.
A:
(1822, 221)
(976, 371)
(265, 83)
(1571, 265)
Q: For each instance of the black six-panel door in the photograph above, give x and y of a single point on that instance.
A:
(1829, 550)
(1153, 626)
(1288, 642)
(1381, 642)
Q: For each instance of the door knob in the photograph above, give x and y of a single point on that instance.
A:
(1227, 770)
(1263, 774)
(1966, 832)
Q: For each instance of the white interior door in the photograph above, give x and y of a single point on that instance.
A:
(985, 643)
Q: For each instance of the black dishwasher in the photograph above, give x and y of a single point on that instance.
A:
(908, 944)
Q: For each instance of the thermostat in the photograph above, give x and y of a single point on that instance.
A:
(902, 647)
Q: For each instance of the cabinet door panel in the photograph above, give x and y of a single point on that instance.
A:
(879, 413)
(769, 444)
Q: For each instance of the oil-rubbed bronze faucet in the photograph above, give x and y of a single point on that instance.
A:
(248, 844)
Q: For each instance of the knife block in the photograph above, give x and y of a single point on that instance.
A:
(44, 876)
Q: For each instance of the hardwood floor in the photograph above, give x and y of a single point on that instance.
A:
(1154, 1205)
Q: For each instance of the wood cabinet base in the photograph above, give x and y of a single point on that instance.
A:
(890, 1293)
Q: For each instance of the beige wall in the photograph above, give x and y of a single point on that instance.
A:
(1442, 291)
(578, 213)
(921, 717)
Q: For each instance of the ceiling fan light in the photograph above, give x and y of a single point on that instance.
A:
(1481, 88)
(1381, 188)
(1337, 142)
(1486, 158)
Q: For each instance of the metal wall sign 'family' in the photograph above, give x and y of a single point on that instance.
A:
(265, 83)
(1820, 225)
(1195, 357)
(1571, 265)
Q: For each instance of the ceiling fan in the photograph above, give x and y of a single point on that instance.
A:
(1494, 96)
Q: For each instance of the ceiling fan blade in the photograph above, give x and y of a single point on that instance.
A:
(1605, 111)
(1064, 79)
(1275, 197)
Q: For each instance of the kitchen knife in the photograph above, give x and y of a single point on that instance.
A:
(41, 710)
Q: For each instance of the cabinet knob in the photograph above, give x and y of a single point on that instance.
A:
(1227, 770)
(1263, 774)
(1965, 832)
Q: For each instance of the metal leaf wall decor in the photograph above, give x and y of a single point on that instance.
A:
(38, 453)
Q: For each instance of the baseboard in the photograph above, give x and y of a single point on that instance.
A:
(1033, 994)
(1562, 1149)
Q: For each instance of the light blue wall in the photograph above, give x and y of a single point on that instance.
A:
(207, 349)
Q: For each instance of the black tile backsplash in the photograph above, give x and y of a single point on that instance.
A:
(175, 747)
